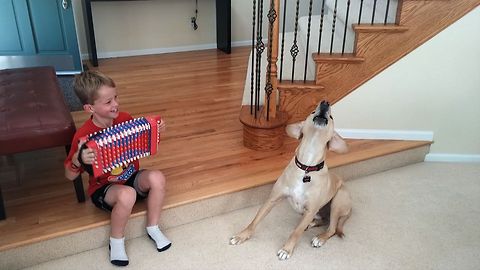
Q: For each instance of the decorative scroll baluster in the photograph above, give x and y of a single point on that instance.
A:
(386, 12)
(260, 48)
(272, 16)
(283, 38)
(345, 29)
(374, 7)
(322, 14)
(360, 12)
(307, 55)
(294, 50)
(252, 72)
(333, 26)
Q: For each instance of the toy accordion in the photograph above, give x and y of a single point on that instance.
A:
(123, 143)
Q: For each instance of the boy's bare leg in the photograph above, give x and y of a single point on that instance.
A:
(121, 198)
(153, 183)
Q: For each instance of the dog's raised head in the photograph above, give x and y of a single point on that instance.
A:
(317, 133)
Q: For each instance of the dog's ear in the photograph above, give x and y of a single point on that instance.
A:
(337, 144)
(295, 130)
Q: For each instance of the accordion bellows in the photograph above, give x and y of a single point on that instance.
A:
(123, 143)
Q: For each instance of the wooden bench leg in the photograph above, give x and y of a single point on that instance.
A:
(77, 183)
(3, 215)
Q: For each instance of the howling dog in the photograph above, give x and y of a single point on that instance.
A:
(312, 191)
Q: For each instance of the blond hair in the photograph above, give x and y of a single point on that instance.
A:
(87, 83)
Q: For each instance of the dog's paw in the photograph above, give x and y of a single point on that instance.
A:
(282, 254)
(317, 242)
(237, 240)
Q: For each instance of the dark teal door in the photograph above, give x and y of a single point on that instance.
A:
(38, 33)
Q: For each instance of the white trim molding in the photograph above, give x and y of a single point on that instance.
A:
(458, 158)
(198, 47)
(378, 134)
(156, 51)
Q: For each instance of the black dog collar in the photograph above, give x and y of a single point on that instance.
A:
(308, 169)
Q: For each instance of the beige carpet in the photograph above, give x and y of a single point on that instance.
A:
(423, 216)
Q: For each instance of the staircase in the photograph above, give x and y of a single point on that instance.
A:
(370, 47)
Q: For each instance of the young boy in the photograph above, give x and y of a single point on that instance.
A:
(99, 98)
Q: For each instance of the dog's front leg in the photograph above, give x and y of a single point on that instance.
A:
(287, 249)
(249, 230)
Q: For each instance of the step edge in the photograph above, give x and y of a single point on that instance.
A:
(255, 196)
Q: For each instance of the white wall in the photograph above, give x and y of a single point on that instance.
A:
(142, 27)
(434, 88)
(124, 26)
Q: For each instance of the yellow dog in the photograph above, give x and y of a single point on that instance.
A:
(312, 191)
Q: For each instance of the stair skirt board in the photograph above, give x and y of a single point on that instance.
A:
(29, 255)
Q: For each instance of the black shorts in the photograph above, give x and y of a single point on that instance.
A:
(98, 197)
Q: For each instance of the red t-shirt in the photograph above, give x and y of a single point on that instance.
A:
(111, 177)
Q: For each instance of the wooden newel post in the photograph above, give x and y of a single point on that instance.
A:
(273, 39)
(266, 133)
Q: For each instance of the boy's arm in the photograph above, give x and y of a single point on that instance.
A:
(72, 165)
(72, 168)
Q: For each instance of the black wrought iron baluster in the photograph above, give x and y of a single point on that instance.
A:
(374, 7)
(283, 38)
(272, 16)
(308, 40)
(260, 48)
(360, 12)
(322, 14)
(333, 26)
(386, 12)
(252, 72)
(294, 50)
(345, 29)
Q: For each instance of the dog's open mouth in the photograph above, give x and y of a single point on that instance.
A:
(321, 114)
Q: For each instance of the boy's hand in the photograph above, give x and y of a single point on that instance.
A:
(88, 155)
(162, 126)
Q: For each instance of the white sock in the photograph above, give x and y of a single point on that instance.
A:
(118, 256)
(157, 236)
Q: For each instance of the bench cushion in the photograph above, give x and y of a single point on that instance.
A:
(33, 113)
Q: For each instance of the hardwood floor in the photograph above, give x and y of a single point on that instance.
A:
(199, 95)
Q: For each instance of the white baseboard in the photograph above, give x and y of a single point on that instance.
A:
(409, 135)
(156, 51)
(438, 157)
(198, 47)
(378, 134)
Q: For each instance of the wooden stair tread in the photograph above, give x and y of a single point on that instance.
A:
(54, 217)
(379, 28)
(300, 85)
(337, 58)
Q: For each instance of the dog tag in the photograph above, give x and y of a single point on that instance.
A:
(306, 179)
